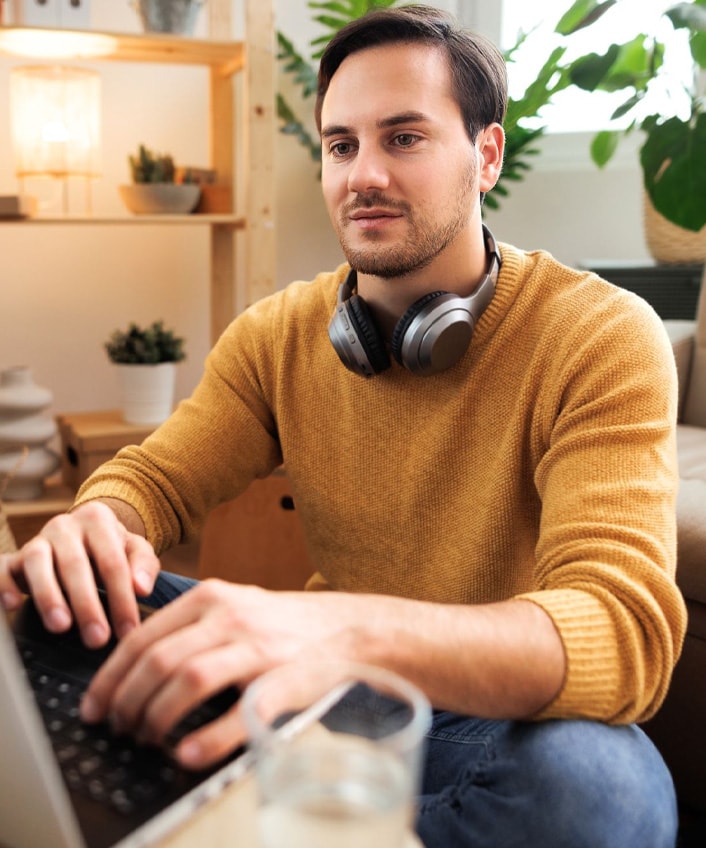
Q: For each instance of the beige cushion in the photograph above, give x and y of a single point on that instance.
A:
(691, 539)
(695, 402)
(681, 335)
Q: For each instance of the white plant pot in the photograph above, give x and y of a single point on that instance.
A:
(147, 392)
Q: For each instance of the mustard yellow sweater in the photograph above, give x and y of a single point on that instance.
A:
(541, 465)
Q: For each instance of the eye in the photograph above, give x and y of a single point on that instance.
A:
(406, 139)
(341, 149)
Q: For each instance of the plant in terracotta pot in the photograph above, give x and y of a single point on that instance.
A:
(673, 153)
(153, 190)
(146, 360)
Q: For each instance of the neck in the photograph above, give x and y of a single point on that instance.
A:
(457, 270)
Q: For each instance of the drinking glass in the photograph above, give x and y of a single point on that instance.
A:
(338, 752)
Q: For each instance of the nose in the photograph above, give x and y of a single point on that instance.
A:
(369, 171)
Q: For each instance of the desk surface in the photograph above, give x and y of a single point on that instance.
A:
(230, 821)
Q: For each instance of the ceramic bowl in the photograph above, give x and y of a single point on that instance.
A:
(160, 198)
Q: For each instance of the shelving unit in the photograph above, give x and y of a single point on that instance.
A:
(242, 239)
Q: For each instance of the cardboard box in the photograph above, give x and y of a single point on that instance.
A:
(88, 439)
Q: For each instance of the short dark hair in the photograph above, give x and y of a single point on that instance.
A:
(478, 69)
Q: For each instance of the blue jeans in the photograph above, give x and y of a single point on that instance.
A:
(550, 784)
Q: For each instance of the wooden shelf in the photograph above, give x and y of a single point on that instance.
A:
(230, 221)
(250, 181)
(226, 56)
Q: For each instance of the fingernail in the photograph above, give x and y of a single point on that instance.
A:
(95, 635)
(189, 753)
(90, 711)
(143, 581)
(58, 620)
(10, 600)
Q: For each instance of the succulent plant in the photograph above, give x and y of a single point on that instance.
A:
(149, 167)
(148, 346)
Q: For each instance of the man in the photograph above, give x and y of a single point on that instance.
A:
(493, 507)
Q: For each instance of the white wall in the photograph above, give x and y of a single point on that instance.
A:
(63, 289)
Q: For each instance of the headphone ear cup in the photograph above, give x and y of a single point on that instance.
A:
(403, 324)
(371, 340)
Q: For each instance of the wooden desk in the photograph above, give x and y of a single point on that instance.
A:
(230, 821)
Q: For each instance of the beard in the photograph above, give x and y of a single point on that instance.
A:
(426, 237)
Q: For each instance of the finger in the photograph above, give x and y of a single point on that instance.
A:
(169, 680)
(144, 564)
(36, 567)
(212, 742)
(72, 570)
(207, 672)
(109, 546)
(11, 592)
(101, 693)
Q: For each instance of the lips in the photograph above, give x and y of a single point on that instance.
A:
(373, 219)
(373, 213)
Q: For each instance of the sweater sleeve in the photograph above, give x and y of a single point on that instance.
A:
(210, 449)
(606, 554)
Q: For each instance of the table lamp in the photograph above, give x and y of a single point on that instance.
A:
(55, 118)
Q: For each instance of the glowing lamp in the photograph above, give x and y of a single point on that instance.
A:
(55, 118)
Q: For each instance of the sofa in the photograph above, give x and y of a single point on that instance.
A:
(678, 728)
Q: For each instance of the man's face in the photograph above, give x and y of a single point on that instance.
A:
(400, 174)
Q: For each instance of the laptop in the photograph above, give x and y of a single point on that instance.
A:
(65, 784)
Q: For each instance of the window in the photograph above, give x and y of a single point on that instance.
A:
(574, 110)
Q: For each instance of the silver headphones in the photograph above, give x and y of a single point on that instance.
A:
(430, 337)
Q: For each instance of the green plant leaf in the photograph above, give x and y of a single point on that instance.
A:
(581, 14)
(673, 166)
(691, 16)
(291, 125)
(603, 146)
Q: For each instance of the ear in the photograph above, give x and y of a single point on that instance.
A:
(490, 146)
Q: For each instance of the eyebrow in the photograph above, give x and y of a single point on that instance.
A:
(382, 124)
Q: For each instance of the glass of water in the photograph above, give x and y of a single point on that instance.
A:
(338, 751)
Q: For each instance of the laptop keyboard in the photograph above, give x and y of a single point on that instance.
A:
(95, 762)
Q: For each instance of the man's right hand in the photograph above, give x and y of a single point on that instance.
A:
(63, 565)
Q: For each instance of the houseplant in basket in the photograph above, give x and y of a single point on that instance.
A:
(153, 190)
(146, 362)
(673, 153)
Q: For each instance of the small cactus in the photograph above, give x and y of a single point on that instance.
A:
(149, 167)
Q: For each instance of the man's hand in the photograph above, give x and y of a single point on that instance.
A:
(62, 566)
(216, 635)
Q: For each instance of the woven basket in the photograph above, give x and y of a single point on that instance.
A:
(670, 244)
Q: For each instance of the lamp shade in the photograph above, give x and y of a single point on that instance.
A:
(55, 118)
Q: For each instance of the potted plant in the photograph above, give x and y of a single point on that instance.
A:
(153, 190)
(146, 362)
(673, 153)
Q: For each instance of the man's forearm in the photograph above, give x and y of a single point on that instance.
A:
(502, 660)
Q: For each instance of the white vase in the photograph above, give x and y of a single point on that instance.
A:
(27, 472)
(19, 395)
(147, 392)
(25, 461)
